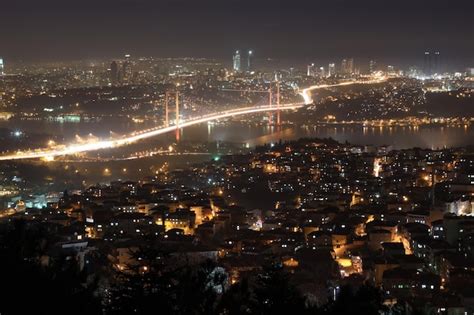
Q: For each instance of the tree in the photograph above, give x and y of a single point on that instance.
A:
(165, 288)
(237, 300)
(367, 300)
(28, 287)
(270, 293)
(273, 293)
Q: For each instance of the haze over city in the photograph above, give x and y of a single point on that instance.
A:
(395, 31)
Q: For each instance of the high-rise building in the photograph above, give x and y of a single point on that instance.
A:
(347, 66)
(436, 63)
(250, 61)
(310, 70)
(236, 61)
(350, 65)
(331, 69)
(427, 63)
(127, 71)
(372, 66)
(322, 72)
(431, 63)
(114, 72)
(343, 65)
(2, 67)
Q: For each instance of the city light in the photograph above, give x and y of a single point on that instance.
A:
(228, 157)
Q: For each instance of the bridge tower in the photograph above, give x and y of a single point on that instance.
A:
(270, 98)
(168, 96)
(177, 116)
(278, 104)
(167, 122)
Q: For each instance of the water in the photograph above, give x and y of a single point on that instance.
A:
(399, 137)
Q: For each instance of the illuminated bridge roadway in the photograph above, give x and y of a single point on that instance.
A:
(50, 153)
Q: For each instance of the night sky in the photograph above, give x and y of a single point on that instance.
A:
(393, 31)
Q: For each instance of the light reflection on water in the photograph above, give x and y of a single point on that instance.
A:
(399, 137)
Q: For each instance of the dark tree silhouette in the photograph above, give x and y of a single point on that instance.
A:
(166, 289)
(270, 293)
(367, 300)
(237, 300)
(27, 287)
(273, 294)
(59, 288)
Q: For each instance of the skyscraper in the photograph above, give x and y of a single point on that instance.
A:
(331, 69)
(344, 66)
(114, 72)
(436, 63)
(372, 66)
(250, 60)
(350, 65)
(310, 70)
(322, 72)
(427, 63)
(127, 71)
(347, 66)
(2, 67)
(292, 72)
(236, 61)
(431, 63)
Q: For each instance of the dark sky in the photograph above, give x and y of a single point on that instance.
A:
(389, 30)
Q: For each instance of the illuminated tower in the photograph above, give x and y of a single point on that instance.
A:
(168, 110)
(250, 61)
(344, 66)
(127, 69)
(177, 116)
(350, 65)
(270, 99)
(322, 72)
(236, 61)
(2, 67)
(278, 104)
(347, 66)
(310, 70)
(372, 66)
(331, 69)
